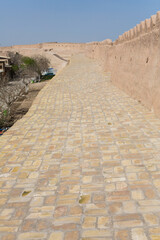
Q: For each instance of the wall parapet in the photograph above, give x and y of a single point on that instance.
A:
(140, 29)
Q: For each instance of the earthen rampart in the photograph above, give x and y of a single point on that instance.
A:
(50, 50)
(133, 59)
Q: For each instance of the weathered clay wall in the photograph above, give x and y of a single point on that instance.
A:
(134, 62)
(98, 51)
(67, 48)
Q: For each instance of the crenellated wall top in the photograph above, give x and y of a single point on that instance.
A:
(142, 28)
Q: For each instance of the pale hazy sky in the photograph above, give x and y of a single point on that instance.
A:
(35, 21)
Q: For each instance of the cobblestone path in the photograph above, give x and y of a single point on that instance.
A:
(83, 163)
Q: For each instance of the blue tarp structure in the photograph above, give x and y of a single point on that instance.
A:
(50, 71)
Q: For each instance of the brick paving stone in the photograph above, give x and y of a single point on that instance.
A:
(8, 237)
(83, 163)
(72, 235)
(56, 235)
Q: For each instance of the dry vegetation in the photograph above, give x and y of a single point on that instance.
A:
(14, 85)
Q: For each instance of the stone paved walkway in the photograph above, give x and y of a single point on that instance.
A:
(83, 163)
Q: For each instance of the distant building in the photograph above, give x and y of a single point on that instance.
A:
(4, 65)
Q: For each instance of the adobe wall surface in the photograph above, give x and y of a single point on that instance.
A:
(134, 62)
(98, 51)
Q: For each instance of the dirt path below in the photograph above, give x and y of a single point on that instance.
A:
(21, 106)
